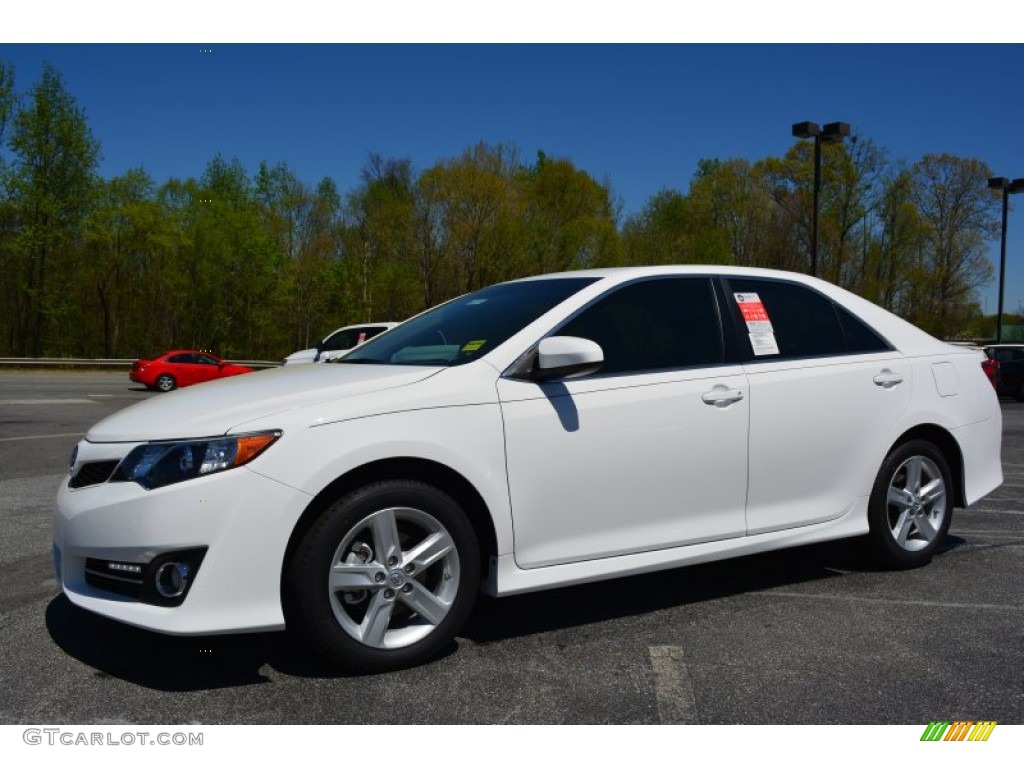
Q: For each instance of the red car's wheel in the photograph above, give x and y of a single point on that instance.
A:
(165, 382)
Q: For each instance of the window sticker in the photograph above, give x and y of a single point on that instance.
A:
(764, 344)
(473, 346)
(759, 325)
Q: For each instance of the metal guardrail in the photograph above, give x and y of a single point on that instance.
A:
(106, 361)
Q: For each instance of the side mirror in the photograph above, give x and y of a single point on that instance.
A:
(566, 357)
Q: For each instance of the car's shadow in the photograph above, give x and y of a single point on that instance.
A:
(169, 663)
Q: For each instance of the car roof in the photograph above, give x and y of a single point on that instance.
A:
(381, 324)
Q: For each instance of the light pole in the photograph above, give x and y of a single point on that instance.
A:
(832, 132)
(1009, 188)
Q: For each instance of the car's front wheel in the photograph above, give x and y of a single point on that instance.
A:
(911, 505)
(386, 577)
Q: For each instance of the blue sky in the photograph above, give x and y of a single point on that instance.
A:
(638, 116)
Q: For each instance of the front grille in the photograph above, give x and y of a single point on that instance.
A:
(93, 473)
(115, 577)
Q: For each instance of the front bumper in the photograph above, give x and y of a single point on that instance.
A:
(241, 518)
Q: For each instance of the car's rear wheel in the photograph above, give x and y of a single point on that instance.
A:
(386, 577)
(911, 505)
(166, 383)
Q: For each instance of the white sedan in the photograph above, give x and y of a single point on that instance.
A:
(337, 343)
(534, 434)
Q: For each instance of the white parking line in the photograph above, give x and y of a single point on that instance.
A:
(997, 534)
(40, 437)
(64, 401)
(672, 685)
(989, 511)
(886, 601)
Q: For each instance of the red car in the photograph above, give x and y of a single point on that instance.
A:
(181, 367)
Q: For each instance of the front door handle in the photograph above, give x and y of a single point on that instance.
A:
(887, 379)
(721, 396)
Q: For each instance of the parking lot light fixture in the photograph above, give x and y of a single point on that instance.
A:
(831, 133)
(1008, 188)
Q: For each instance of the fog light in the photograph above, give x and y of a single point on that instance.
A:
(171, 579)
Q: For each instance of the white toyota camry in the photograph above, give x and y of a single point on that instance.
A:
(534, 434)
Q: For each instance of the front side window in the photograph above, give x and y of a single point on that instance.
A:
(467, 327)
(652, 325)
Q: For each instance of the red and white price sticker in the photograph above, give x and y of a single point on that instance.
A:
(759, 325)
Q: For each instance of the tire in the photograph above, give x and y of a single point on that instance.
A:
(409, 557)
(911, 505)
(166, 383)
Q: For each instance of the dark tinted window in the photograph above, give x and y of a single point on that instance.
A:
(345, 339)
(1007, 354)
(180, 359)
(665, 323)
(351, 337)
(206, 360)
(804, 322)
(859, 337)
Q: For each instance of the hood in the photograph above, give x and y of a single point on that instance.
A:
(309, 356)
(302, 356)
(211, 409)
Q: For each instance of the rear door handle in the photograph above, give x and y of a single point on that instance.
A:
(887, 379)
(721, 396)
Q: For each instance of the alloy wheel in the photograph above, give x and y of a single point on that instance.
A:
(916, 503)
(393, 578)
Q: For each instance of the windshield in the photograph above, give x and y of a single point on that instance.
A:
(469, 326)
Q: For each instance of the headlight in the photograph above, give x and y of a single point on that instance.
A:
(158, 464)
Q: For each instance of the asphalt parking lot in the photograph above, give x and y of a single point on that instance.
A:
(801, 636)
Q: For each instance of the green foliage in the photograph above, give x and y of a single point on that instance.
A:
(51, 184)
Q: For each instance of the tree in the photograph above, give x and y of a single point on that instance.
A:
(379, 239)
(120, 235)
(52, 184)
(569, 217)
(660, 232)
(958, 214)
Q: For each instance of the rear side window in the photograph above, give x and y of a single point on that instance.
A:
(803, 321)
(653, 324)
(794, 321)
(371, 331)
